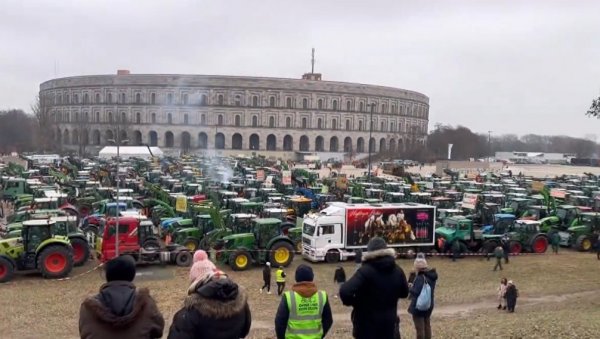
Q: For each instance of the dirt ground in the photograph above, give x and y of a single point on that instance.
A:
(552, 288)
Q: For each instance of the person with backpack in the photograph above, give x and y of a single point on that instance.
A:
(512, 293)
(422, 297)
(499, 254)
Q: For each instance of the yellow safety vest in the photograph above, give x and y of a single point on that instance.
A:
(304, 321)
(279, 276)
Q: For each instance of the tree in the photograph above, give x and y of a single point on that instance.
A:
(594, 110)
(42, 111)
(17, 131)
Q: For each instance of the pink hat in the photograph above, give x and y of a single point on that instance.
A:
(202, 267)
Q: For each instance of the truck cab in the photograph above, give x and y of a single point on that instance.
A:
(322, 234)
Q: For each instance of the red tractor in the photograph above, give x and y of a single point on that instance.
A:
(137, 239)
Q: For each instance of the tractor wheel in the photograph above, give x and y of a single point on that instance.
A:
(583, 243)
(151, 244)
(7, 270)
(191, 244)
(203, 245)
(282, 254)
(332, 257)
(183, 259)
(539, 244)
(515, 247)
(55, 261)
(240, 260)
(489, 246)
(299, 247)
(81, 251)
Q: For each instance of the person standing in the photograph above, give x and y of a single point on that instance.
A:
(304, 312)
(280, 280)
(421, 317)
(215, 307)
(455, 249)
(555, 242)
(266, 278)
(120, 310)
(512, 293)
(505, 242)
(339, 277)
(502, 294)
(373, 292)
(498, 253)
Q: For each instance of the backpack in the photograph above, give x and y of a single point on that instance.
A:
(424, 299)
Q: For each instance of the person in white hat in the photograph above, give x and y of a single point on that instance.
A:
(512, 293)
(266, 278)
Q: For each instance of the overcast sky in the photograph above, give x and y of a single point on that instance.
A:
(500, 65)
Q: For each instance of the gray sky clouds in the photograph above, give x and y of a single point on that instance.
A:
(501, 65)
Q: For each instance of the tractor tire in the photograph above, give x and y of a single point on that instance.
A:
(332, 257)
(240, 260)
(151, 244)
(55, 262)
(81, 251)
(489, 246)
(183, 259)
(583, 243)
(7, 270)
(515, 247)
(281, 254)
(539, 244)
(299, 247)
(191, 244)
(203, 245)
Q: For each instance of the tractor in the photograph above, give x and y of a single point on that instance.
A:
(37, 249)
(460, 229)
(264, 243)
(583, 236)
(526, 235)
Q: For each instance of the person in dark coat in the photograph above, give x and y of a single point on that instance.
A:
(421, 318)
(215, 307)
(306, 288)
(266, 278)
(373, 292)
(505, 248)
(512, 293)
(498, 253)
(120, 310)
(339, 277)
(555, 242)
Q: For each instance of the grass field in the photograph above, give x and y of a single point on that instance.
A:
(560, 295)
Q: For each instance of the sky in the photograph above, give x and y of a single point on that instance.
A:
(529, 66)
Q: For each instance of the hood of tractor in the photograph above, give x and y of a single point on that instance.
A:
(445, 232)
(11, 247)
(578, 229)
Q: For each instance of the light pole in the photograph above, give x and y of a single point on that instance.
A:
(118, 142)
(369, 142)
(489, 145)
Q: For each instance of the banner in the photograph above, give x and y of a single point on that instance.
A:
(181, 204)
(469, 200)
(260, 175)
(286, 177)
(537, 186)
(557, 193)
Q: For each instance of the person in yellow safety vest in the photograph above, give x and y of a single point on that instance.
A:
(304, 312)
(280, 280)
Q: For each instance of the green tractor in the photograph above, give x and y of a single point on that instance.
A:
(564, 217)
(264, 243)
(584, 235)
(67, 226)
(460, 229)
(38, 249)
(526, 235)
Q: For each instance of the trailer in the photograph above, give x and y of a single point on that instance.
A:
(338, 231)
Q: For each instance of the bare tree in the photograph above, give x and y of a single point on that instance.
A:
(45, 121)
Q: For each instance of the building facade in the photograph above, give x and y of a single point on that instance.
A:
(194, 113)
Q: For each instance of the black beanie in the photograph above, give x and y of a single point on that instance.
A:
(304, 273)
(375, 244)
(121, 268)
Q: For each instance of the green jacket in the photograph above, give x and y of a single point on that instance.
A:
(499, 252)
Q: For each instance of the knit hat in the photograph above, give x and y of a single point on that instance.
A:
(304, 274)
(375, 244)
(420, 262)
(202, 266)
(120, 268)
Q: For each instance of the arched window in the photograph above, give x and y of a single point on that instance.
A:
(220, 120)
(303, 122)
(236, 120)
(220, 99)
(382, 126)
(122, 98)
(87, 117)
(186, 119)
(254, 121)
(362, 107)
(123, 117)
(67, 99)
(347, 125)
(169, 118)
(288, 102)
(97, 117)
(288, 122)
(392, 125)
(319, 123)
(86, 98)
(203, 120)
(272, 101)
(153, 98)
(360, 125)
(184, 99)
(320, 104)
(400, 110)
(383, 108)
(169, 98)
(138, 118)
(334, 105)
(348, 105)
(76, 116)
(393, 109)
(153, 118)
(271, 121)
(305, 103)
(75, 99)
(138, 98)
(97, 98)
(334, 124)
(255, 101)
(203, 100)
(238, 100)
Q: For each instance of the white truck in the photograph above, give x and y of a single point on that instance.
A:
(336, 232)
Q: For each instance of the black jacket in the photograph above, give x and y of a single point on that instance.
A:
(373, 292)
(267, 273)
(358, 256)
(339, 276)
(305, 289)
(511, 293)
(415, 290)
(215, 310)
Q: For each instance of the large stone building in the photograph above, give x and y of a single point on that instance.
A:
(233, 114)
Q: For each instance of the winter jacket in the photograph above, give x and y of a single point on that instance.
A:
(501, 292)
(217, 309)
(266, 273)
(499, 252)
(307, 290)
(415, 290)
(339, 276)
(511, 293)
(373, 292)
(120, 311)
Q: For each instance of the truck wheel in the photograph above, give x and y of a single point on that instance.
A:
(282, 254)
(191, 244)
(151, 244)
(7, 271)
(332, 257)
(81, 251)
(183, 259)
(516, 247)
(55, 261)
(583, 243)
(299, 247)
(240, 260)
(539, 244)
